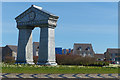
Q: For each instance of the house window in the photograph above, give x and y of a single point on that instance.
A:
(80, 49)
(88, 49)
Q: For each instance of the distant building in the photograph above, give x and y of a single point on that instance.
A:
(112, 54)
(83, 50)
(58, 50)
(69, 50)
(9, 51)
(1, 54)
(35, 48)
(99, 57)
(64, 51)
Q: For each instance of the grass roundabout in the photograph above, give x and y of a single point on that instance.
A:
(60, 69)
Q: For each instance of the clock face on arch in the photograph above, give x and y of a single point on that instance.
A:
(31, 16)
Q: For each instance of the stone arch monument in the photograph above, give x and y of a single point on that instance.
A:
(33, 17)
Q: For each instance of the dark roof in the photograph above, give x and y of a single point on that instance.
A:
(99, 56)
(82, 47)
(113, 50)
(12, 47)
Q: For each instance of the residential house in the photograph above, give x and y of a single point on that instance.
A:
(9, 51)
(35, 48)
(1, 54)
(99, 57)
(66, 51)
(58, 50)
(112, 54)
(83, 50)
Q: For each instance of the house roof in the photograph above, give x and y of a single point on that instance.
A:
(113, 50)
(39, 8)
(99, 56)
(12, 47)
(84, 47)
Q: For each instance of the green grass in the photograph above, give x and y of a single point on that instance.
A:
(58, 69)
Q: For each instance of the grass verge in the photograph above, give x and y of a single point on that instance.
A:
(35, 69)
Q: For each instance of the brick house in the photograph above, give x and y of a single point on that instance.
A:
(35, 48)
(112, 55)
(83, 50)
(99, 57)
(9, 51)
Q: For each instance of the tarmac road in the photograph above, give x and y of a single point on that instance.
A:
(63, 79)
(22, 76)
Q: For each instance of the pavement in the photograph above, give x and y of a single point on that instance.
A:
(22, 75)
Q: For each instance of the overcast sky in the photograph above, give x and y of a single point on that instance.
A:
(88, 22)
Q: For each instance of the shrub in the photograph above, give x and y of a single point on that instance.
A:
(79, 60)
(9, 59)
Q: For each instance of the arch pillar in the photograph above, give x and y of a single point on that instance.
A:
(25, 48)
(47, 47)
